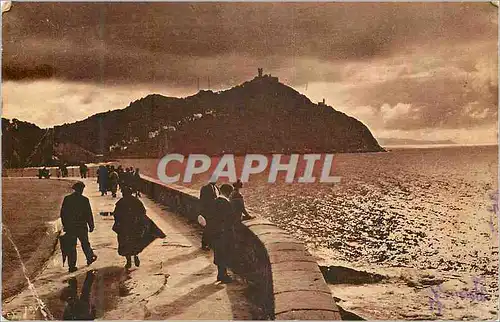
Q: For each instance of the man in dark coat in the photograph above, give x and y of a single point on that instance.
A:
(77, 220)
(208, 194)
(113, 181)
(120, 172)
(102, 179)
(108, 186)
(240, 212)
(64, 170)
(222, 225)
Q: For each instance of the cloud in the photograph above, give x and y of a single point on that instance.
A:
(437, 89)
(137, 42)
(28, 73)
(52, 102)
(396, 66)
(396, 113)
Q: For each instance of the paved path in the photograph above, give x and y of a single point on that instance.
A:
(176, 279)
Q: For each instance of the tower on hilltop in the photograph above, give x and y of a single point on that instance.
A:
(265, 77)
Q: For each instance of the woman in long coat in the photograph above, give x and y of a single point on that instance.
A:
(135, 230)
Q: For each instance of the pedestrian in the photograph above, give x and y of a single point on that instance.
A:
(64, 170)
(208, 194)
(238, 203)
(108, 186)
(239, 214)
(113, 181)
(136, 182)
(130, 177)
(120, 172)
(102, 179)
(83, 170)
(77, 220)
(126, 178)
(134, 229)
(222, 222)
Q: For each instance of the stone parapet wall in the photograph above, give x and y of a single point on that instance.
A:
(286, 277)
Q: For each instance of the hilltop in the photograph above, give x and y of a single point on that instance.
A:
(259, 116)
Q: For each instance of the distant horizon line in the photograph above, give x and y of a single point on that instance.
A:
(430, 145)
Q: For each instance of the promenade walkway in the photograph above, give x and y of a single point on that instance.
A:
(176, 279)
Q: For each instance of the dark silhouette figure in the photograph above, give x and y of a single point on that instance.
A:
(113, 181)
(108, 186)
(126, 178)
(238, 203)
(102, 179)
(222, 223)
(208, 194)
(120, 172)
(130, 177)
(239, 214)
(77, 220)
(79, 308)
(44, 173)
(136, 182)
(134, 229)
(83, 170)
(64, 170)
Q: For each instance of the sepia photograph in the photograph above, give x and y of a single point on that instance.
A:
(250, 161)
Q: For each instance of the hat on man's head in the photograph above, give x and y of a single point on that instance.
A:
(238, 184)
(226, 188)
(78, 186)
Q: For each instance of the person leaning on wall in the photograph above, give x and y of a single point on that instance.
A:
(222, 227)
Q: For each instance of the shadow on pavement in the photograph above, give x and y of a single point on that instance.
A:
(184, 302)
(98, 293)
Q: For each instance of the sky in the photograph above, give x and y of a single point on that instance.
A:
(406, 70)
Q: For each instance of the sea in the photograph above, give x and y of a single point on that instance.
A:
(414, 230)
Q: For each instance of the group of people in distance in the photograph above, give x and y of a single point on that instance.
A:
(109, 179)
(134, 229)
(222, 208)
(62, 170)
